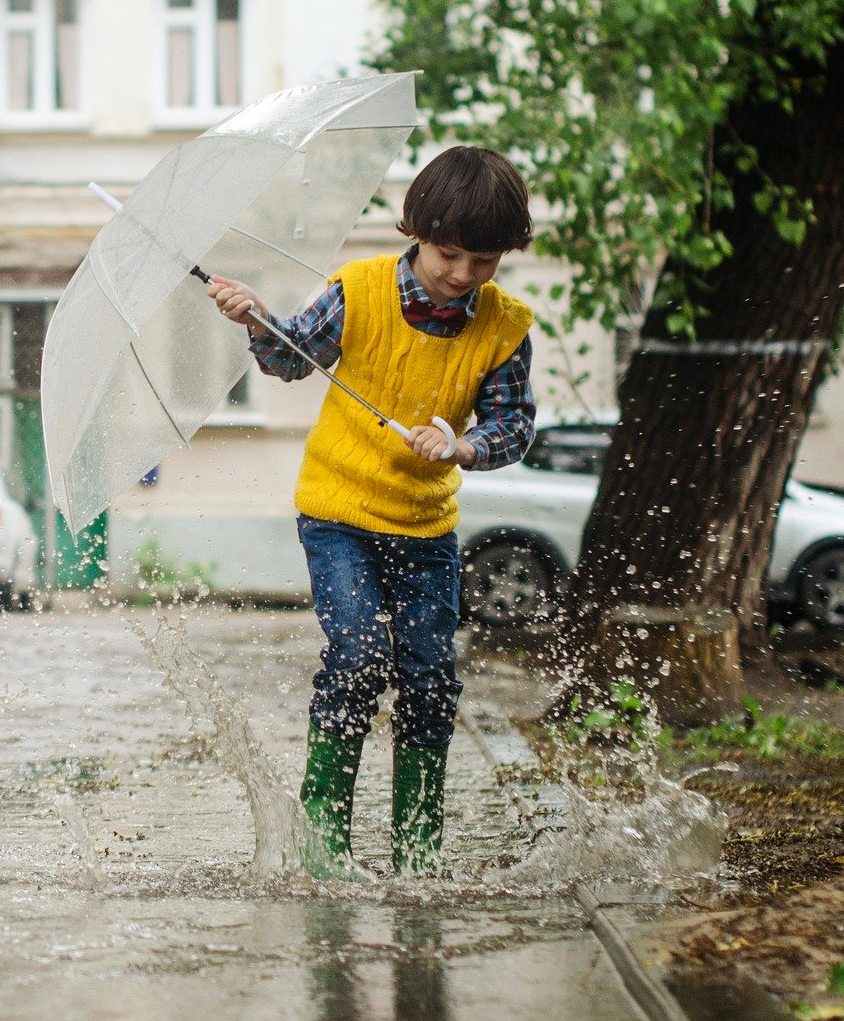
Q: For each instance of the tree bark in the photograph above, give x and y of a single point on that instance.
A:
(687, 502)
(685, 662)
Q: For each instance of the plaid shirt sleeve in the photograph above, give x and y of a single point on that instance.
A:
(316, 331)
(504, 406)
(505, 411)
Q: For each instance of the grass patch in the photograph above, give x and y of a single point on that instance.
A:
(159, 578)
(758, 735)
(610, 746)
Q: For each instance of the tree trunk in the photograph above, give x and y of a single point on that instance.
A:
(686, 507)
(684, 661)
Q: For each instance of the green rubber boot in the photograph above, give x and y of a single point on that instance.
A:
(418, 795)
(326, 795)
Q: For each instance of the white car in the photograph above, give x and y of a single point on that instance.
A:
(520, 530)
(18, 549)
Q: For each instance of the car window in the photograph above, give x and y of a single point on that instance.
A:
(577, 449)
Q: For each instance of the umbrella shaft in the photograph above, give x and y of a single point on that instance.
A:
(198, 271)
(382, 418)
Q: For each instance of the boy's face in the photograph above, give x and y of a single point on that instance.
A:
(447, 271)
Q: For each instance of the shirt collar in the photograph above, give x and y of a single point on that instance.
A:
(410, 287)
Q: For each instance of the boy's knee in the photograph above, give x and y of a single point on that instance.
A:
(423, 717)
(346, 700)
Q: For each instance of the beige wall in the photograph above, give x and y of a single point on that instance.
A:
(820, 458)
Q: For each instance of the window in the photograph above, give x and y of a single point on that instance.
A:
(29, 327)
(6, 387)
(201, 59)
(579, 449)
(23, 325)
(40, 57)
(239, 407)
(238, 396)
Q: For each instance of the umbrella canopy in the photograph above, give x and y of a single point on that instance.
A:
(134, 359)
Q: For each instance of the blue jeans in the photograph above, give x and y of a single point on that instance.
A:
(388, 605)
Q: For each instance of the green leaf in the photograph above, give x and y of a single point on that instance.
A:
(677, 324)
(751, 707)
(835, 979)
(763, 201)
(611, 108)
(598, 718)
(791, 230)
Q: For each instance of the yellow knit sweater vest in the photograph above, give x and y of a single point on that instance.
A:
(362, 475)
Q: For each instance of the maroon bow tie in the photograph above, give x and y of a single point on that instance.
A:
(420, 311)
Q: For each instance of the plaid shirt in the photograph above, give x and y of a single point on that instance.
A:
(504, 406)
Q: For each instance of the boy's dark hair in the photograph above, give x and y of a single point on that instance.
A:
(470, 197)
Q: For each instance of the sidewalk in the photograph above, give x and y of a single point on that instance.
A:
(640, 922)
(125, 846)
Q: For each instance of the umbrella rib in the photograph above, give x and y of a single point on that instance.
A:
(184, 439)
(386, 83)
(368, 127)
(281, 251)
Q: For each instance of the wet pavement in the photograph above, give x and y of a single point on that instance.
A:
(127, 888)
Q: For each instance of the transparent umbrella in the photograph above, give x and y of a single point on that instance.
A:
(134, 359)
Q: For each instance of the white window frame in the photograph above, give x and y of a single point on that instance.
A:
(202, 20)
(44, 115)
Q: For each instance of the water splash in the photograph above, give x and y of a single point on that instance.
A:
(664, 831)
(67, 810)
(668, 832)
(710, 767)
(633, 823)
(282, 834)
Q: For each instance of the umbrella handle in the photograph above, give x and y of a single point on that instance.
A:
(440, 423)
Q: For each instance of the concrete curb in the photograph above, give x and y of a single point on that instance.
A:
(651, 995)
(503, 750)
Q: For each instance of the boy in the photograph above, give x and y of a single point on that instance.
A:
(419, 335)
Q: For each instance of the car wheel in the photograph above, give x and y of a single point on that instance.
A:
(5, 595)
(506, 583)
(821, 589)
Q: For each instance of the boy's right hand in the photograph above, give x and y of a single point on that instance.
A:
(235, 300)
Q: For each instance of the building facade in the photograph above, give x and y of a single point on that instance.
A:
(98, 90)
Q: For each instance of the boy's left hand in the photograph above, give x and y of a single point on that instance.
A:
(429, 442)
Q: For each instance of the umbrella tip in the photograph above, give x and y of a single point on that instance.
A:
(105, 196)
